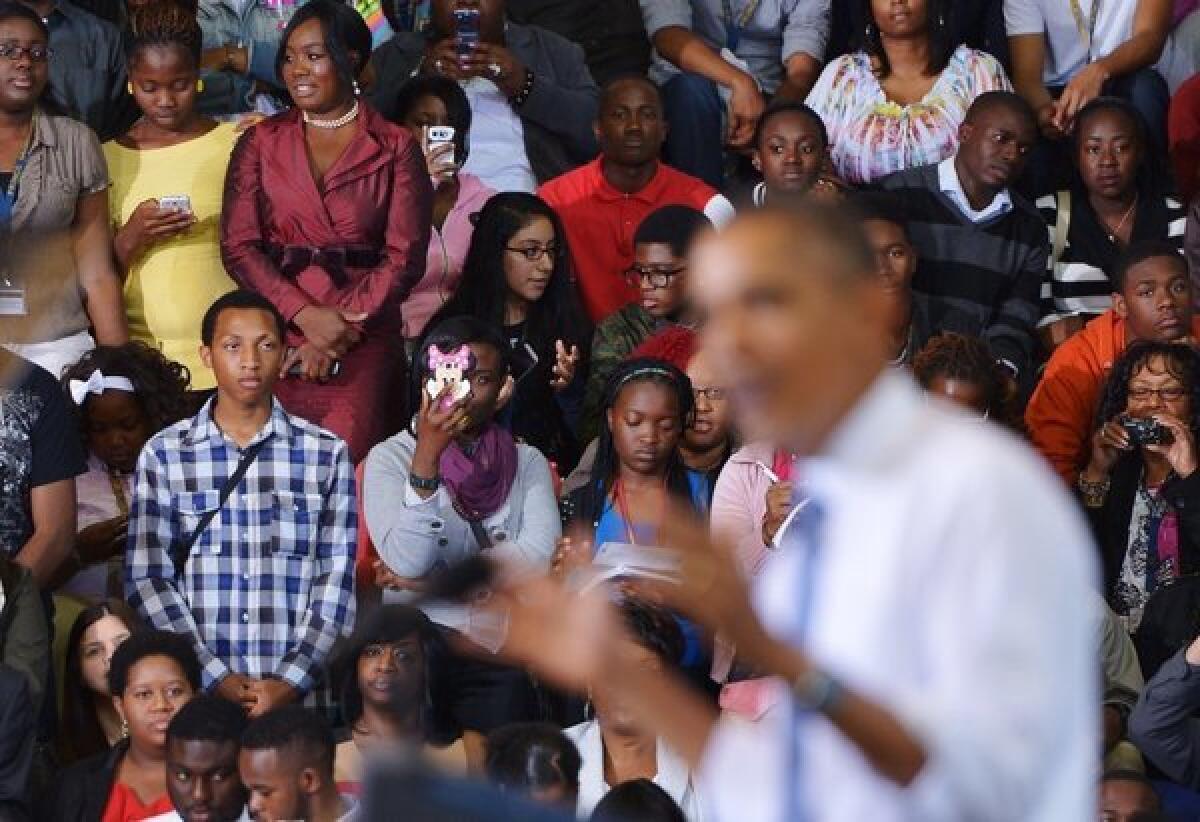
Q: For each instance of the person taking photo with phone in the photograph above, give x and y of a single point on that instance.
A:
(168, 175)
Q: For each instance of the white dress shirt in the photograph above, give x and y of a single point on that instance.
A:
(673, 776)
(951, 186)
(951, 588)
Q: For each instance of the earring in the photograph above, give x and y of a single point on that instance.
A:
(129, 88)
(124, 729)
(200, 86)
(354, 85)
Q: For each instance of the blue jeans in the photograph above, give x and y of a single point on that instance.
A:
(695, 117)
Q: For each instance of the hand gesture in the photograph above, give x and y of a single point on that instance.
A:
(442, 58)
(1107, 446)
(1084, 87)
(146, 226)
(1047, 120)
(565, 363)
(746, 105)
(495, 63)
(315, 366)
(331, 331)
(389, 580)
(779, 505)
(269, 694)
(235, 688)
(102, 541)
(439, 162)
(1181, 451)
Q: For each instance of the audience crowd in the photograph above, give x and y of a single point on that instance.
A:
(306, 306)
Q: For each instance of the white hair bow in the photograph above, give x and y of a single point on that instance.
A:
(97, 383)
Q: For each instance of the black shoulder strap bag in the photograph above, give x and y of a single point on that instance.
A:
(180, 556)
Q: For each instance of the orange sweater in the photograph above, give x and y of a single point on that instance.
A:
(1060, 414)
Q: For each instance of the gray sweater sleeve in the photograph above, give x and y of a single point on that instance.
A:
(1162, 725)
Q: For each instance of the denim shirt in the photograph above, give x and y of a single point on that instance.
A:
(259, 29)
(87, 72)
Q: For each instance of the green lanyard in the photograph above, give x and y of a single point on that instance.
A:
(734, 26)
(1087, 29)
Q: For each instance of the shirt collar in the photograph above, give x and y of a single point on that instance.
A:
(883, 416)
(951, 186)
(648, 193)
(204, 428)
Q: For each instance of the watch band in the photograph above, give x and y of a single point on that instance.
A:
(423, 483)
(814, 690)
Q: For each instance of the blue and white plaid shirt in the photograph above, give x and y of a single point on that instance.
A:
(269, 586)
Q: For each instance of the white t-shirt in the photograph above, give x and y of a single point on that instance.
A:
(1067, 48)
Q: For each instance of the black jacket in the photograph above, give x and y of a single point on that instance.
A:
(83, 788)
(1110, 523)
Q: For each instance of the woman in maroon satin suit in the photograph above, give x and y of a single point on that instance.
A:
(326, 213)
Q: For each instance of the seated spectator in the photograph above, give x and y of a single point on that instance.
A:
(659, 275)
(55, 186)
(714, 69)
(530, 91)
(1164, 724)
(708, 440)
(454, 485)
(1064, 55)
(603, 203)
(1152, 301)
(1140, 494)
(899, 101)
(42, 456)
(202, 762)
(336, 248)
(1127, 796)
(432, 102)
(87, 68)
(90, 723)
(535, 759)
(790, 151)
(962, 370)
(612, 34)
(517, 276)
(239, 64)
(1113, 204)
(220, 516)
(883, 220)
(286, 764)
(613, 747)
(752, 501)
(978, 23)
(171, 256)
(982, 247)
(153, 675)
(120, 395)
(638, 800)
(390, 678)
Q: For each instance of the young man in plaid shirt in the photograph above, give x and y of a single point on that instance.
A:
(259, 573)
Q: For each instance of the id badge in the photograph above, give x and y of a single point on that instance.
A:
(12, 301)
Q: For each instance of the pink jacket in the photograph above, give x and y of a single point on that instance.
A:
(740, 503)
(444, 260)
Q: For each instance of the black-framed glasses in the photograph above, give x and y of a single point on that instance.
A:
(711, 393)
(36, 54)
(636, 276)
(533, 253)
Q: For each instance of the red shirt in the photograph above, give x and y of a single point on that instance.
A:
(600, 223)
(124, 806)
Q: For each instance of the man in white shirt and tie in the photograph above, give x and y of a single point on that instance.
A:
(926, 616)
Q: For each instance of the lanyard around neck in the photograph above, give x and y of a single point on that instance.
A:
(1087, 28)
(623, 510)
(735, 25)
(10, 192)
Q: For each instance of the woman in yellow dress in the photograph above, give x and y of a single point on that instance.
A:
(168, 176)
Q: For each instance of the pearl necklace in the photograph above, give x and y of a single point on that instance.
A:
(332, 124)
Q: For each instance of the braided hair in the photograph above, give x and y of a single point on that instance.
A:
(162, 24)
(960, 357)
(604, 469)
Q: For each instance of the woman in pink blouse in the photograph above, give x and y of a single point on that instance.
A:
(432, 101)
(326, 213)
(898, 101)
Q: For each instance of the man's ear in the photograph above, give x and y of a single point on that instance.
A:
(206, 356)
(309, 781)
(964, 132)
(1120, 307)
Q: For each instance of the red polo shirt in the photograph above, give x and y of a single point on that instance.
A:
(600, 223)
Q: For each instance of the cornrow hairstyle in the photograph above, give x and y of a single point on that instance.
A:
(961, 357)
(162, 24)
(159, 385)
(604, 469)
(1180, 360)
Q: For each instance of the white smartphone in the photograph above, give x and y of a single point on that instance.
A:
(436, 136)
(175, 202)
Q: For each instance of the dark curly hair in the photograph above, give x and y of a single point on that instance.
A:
(391, 623)
(939, 27)
(161, 24)
(160, 385)
(145, 644)
(604, 469)
(1181, 361)
(960, 357)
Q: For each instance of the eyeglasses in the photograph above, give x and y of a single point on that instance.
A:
(1172, 393)
(712, 394)
(36, 54)
(533, 253)
(654, 277)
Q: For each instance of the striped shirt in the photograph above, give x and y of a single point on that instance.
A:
(1078, 282)
(269, 585)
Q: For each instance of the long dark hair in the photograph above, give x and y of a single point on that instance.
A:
(1181, 361)
(82, 735)
(391, 623)
(483, 290)
(604, 469)
(346, 37)
(939, 28)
